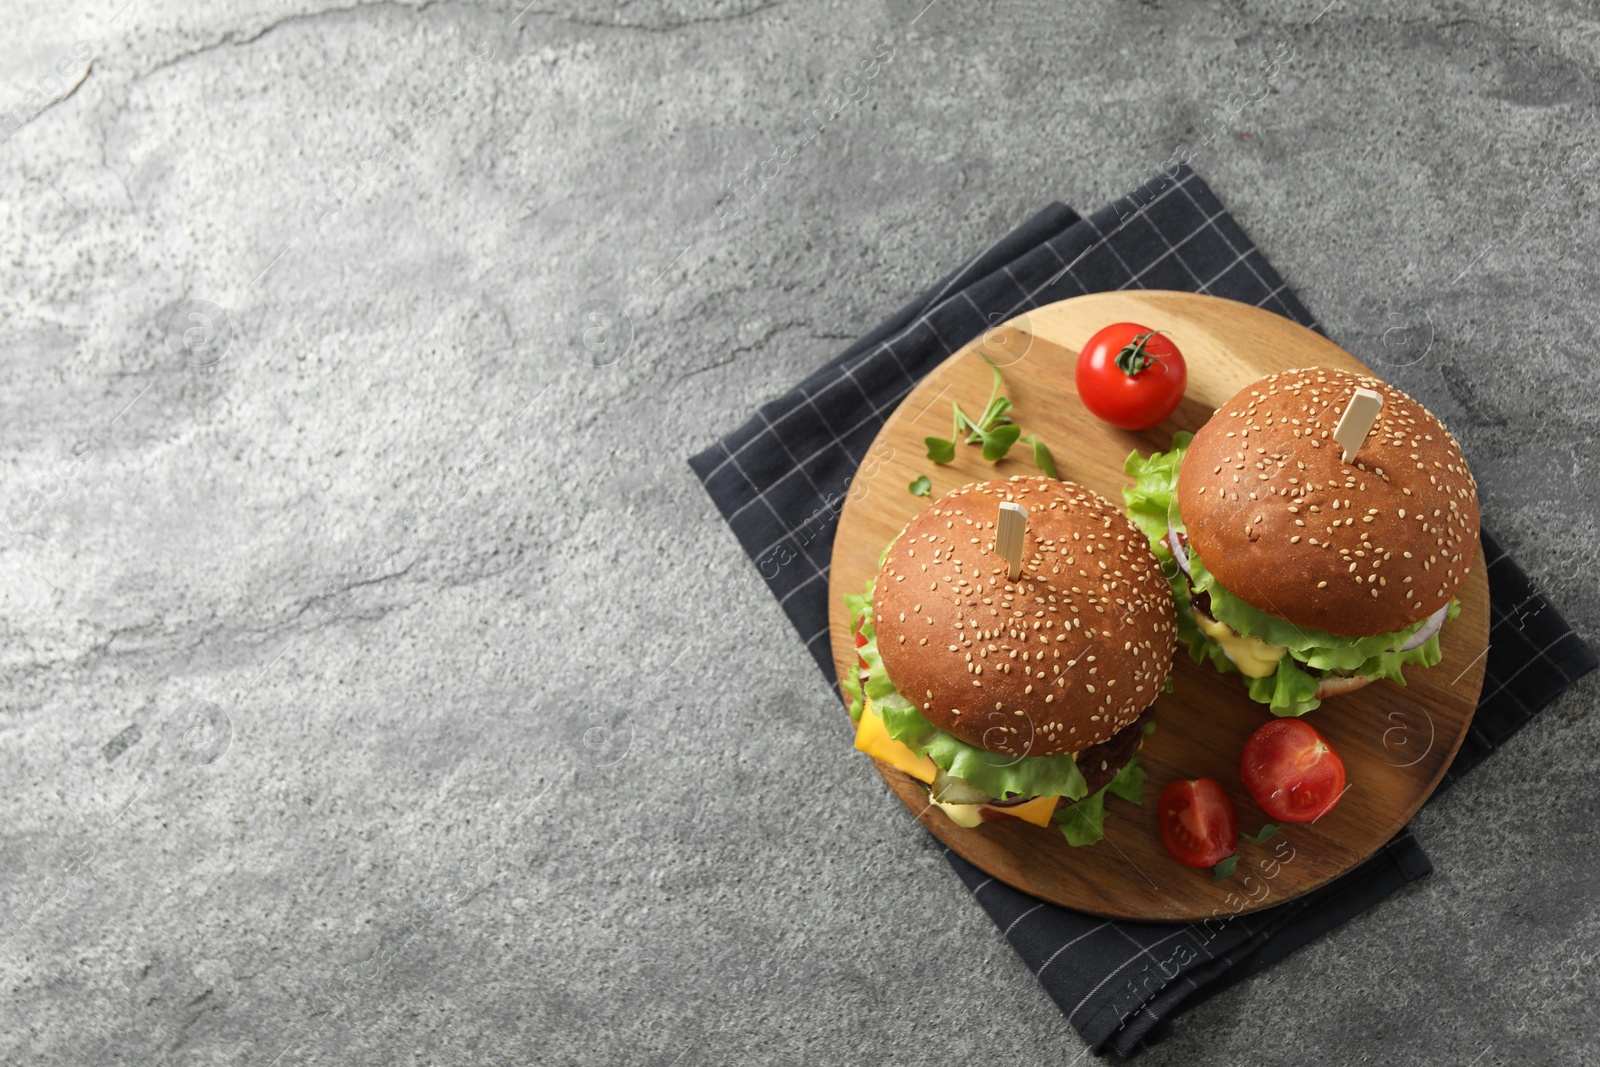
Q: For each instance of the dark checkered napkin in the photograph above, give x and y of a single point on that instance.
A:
(780, 480)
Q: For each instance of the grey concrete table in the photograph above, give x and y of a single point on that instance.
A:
(379, 686)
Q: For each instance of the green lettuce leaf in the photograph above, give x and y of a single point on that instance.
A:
(1155, 487)
(860, 607)
(1129, 782)
(1152, 503)
(1083, 823)
(1287, 691)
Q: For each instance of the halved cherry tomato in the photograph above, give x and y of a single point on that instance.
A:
(1198, 825)
(1131, 376)
(1292, 772)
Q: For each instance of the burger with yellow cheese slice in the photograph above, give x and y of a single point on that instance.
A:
(1024, 698)
(1309, 574)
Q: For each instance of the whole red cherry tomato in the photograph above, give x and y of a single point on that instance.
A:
(1131, 376)
(1198, 824)
(1292, 772)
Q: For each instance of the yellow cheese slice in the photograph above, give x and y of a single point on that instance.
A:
(1037, 811)
(872, 737)
(1253, 656)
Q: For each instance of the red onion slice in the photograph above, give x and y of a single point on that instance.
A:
(1175, 546)
(1432, 626)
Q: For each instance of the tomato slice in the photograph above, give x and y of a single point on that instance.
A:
(1293, 773)
(1198, 824)
(861, 639)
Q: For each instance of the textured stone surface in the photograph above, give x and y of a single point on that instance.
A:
(383, 689)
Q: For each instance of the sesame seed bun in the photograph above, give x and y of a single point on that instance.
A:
(1284, 524)
(1057, 661)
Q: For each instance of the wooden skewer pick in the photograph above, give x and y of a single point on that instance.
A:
(1356, 422)
(1008, 531)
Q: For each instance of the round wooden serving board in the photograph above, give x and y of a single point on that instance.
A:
(1395, 741)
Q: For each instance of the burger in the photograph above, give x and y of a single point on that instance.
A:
(1307, 574)
(1026, 698)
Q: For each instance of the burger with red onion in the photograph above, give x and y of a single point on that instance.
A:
(1307, 574)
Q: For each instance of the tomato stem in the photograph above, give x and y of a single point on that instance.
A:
(1134, 358)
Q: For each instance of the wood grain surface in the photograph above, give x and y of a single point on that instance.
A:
(1396, 742)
